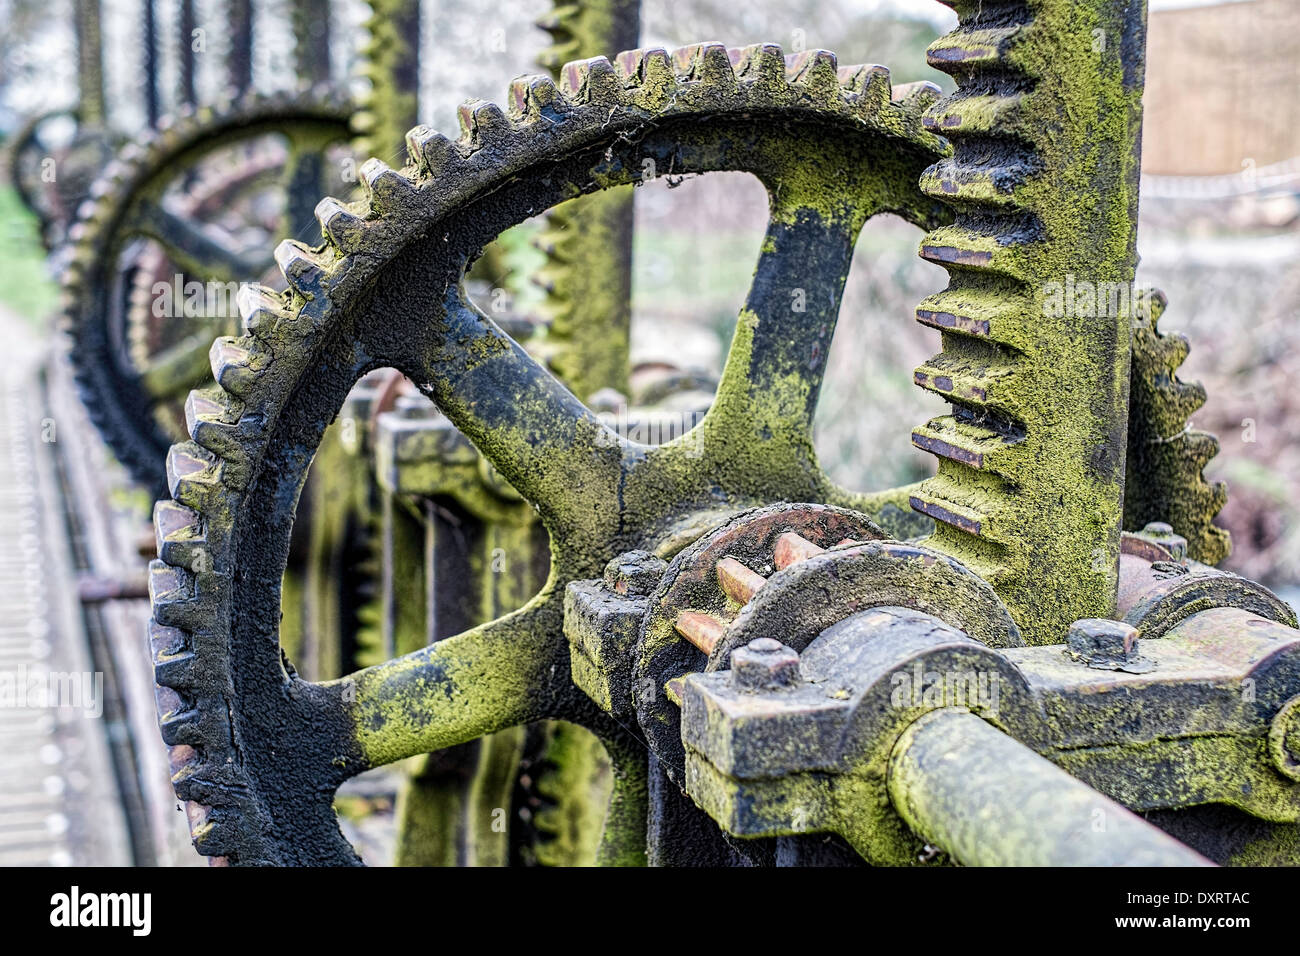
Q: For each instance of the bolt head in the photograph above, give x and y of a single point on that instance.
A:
(764, 664)
(1158, 532)
(1099, 639)
(634, 573)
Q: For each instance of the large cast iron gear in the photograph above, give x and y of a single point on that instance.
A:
(258, 752)
(127, 205)
(232, 199)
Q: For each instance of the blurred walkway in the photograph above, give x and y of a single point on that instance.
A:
(58, 797)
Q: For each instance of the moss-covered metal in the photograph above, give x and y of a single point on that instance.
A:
(588, 242)
(1045, 124)
(1166, 456)
(790, 124)
(833, 749)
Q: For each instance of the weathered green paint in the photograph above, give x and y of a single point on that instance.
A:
(1046, 124)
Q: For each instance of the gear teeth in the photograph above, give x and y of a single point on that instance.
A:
(262, 309)
(990, 186)
(432, 153)
(979, 314)
(180, 758)
(976, 114)
(482, 123)
(227, 435)
(166, 641)
(868, 83)
(533, 98)
(943, 501)
(213, 837)
(235, 367)
(916, 98)
(211, 408)
(973, 50)
(178, 531)
(815, 71)
(344, 230)
(555, 56)
(179, 728)
(174, 709)
(389, 190)
(975, 446)
(559, 23)
(304, 270)
(759, 64)
(707, 63)
(961, 379)
(591, 82)
(966, 249)
(651, 75)
(176, 671)
(169, 587)
(194, 476)
(1166, 457)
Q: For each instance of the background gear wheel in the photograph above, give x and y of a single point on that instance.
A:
(129, 204)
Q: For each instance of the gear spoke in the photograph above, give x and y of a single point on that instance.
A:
(541, 439)
(198, 249)
(498, 675)
(778, 353)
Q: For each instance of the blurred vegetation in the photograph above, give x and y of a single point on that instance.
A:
(25, 285)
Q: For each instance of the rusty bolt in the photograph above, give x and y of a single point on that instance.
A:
(764, 664)
(1284, 739)
(1158, 532)
(634, 573)
(1102, 643)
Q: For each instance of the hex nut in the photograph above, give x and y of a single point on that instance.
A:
(1106, 645)
(1101, 639)
(1162, 534)
(764, 664)
(634, 573)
